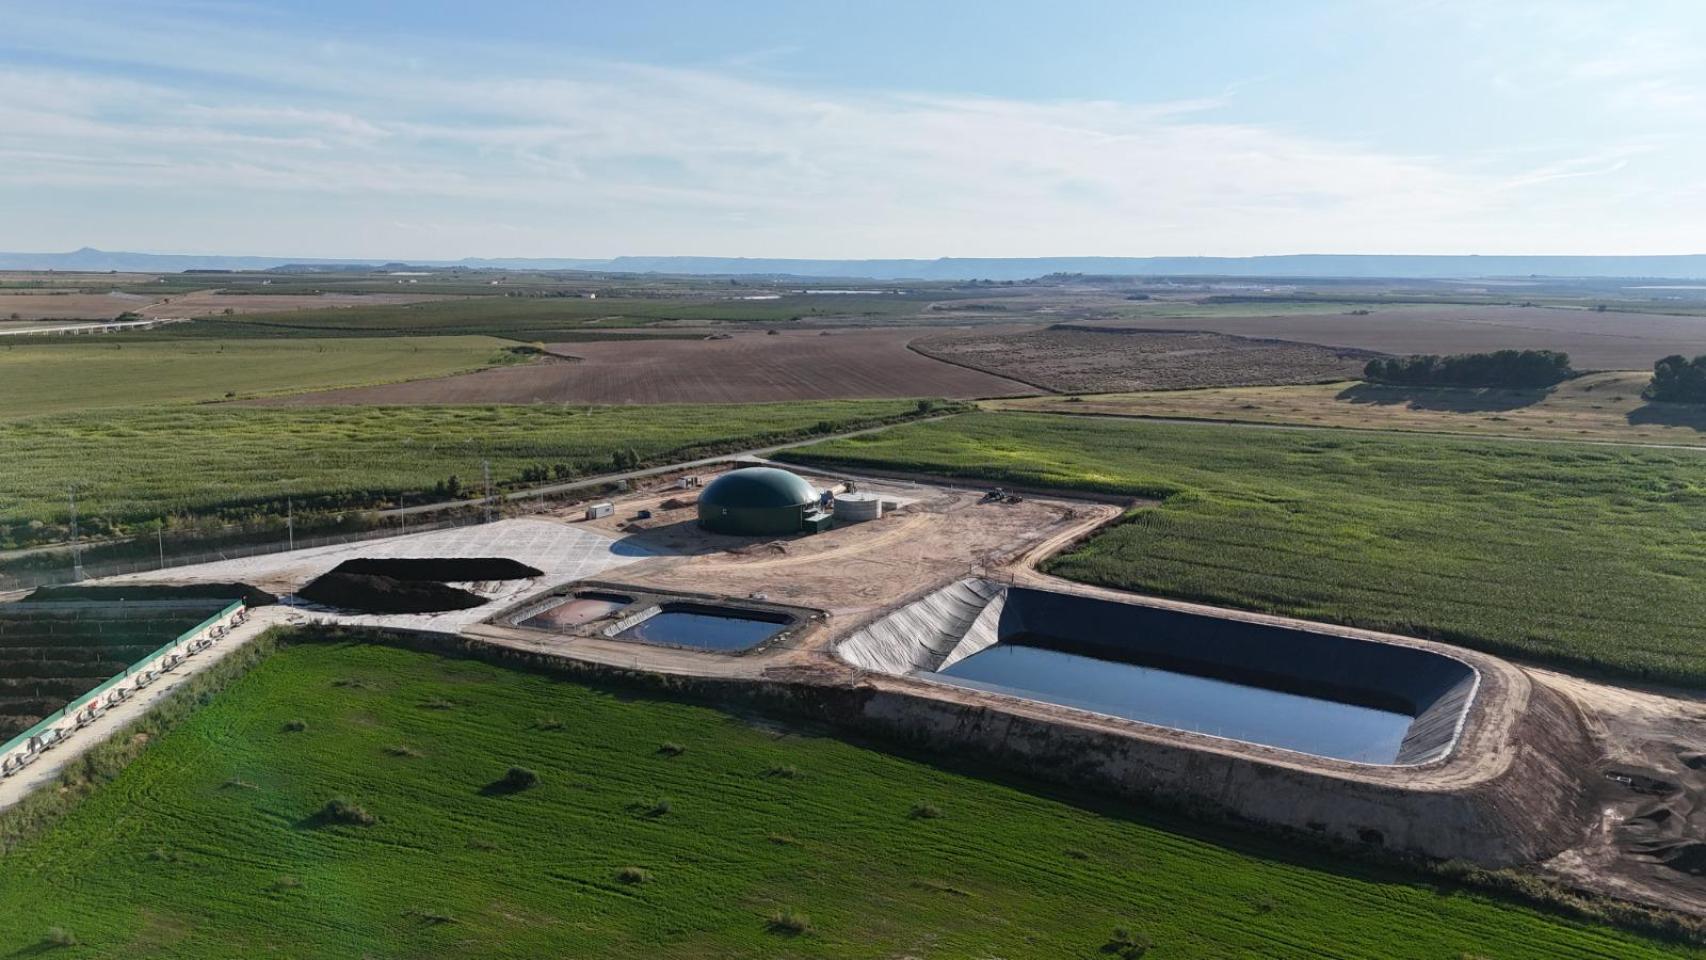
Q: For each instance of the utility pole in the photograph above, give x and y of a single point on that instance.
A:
(76, 542)
(290, 522)
(486, 474)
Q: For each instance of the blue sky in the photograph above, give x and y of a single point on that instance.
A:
(869, 129)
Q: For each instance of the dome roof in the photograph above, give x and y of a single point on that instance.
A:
(753, 488)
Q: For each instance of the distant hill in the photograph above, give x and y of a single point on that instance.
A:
(1687, 267)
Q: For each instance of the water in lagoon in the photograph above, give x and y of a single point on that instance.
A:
(1323, 727)
(573, 613)
(707, 631)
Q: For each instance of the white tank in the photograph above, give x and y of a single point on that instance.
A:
(857, 507)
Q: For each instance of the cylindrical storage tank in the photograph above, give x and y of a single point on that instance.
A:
(858, 507)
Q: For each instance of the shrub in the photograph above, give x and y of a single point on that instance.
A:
(408, 753)
(61, 937)
(1127, 944)
(547, 723)
(633, 875)
(782, 771)
(652, 808)
(295, 726)
(1525, 369)
(924, 811)
(1677, 379)
(671, 749)
(789, 921)
(518, 778)
(339, 810)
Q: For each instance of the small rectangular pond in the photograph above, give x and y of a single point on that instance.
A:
(705, 627)
(1324, 727)
(576, 610)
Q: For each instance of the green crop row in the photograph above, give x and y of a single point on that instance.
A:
(357, 800)
(1581, 555)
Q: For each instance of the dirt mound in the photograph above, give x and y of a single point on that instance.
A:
(1686, 856)
(375, 594)
(462, 569)
(156, 591)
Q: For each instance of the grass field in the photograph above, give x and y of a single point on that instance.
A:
(739, 839)
(1581, 555)
(1600, 406)
(49, 376)
(527, 318)
(138, 465)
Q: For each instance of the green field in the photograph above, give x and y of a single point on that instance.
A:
(137, 465)
(43, 376)
(1587, 556)
(208, 844)
(538, 318)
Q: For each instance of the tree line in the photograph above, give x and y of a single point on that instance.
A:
(1500, 368)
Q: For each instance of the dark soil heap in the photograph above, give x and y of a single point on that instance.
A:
(454, 569)
(156, 591)
(361, 593)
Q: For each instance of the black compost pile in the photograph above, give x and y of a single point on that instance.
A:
(362, 593)
(155, 591)
(453, 569)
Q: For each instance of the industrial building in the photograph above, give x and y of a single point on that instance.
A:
(761, 501)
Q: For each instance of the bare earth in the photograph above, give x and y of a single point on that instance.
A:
(70, 306)
(1594, 341)
(1075, 359)
(1602, 407)
(745, 368)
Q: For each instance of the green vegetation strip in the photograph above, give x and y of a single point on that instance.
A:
(61, 375)
(537, 318)
(358, 800)
(132, 466)
(1587, 556)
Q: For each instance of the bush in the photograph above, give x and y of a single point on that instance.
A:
(295, 726)
(652, 808)
(405, 752)
(788, 921)
(632, 875)
(1127, 945)
(924, 811)
(518, 778)
(1518, 369)
(1677, 379)
(61, 937)
(339, 810)
(782, 772)
(671, 749)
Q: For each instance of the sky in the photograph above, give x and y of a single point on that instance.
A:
(438, 130)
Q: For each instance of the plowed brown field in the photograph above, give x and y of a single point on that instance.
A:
(744, 368)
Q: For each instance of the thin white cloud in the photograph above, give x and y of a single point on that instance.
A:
(365, 142)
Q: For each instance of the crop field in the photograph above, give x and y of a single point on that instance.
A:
(743, 368)
(641, 827)
(49, 657)
(1103, 359)
(1581, 555)
(52, 375)
(209, 303)
(138, 465)
(1598, 407)
(67, 305)
(541, 318)
(1609, 340)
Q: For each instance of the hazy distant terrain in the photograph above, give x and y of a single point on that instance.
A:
(946, 268)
